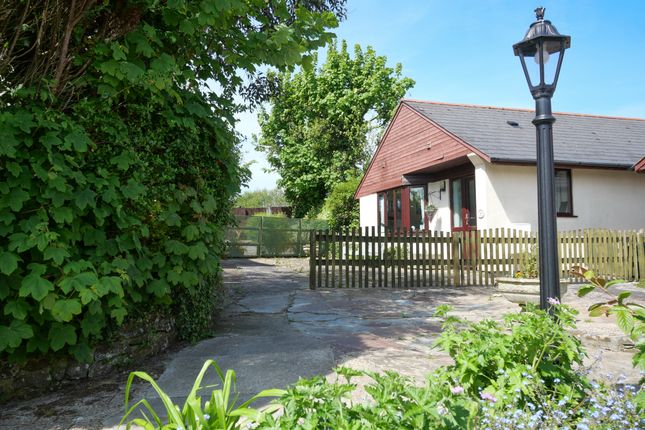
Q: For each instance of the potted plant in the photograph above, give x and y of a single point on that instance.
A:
(431, 210)
(524, 284)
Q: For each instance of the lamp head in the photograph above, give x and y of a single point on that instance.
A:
(545, 46)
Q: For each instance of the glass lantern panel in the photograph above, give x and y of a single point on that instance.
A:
(551, 58)
(531, 61)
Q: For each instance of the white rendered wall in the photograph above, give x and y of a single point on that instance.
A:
(369, 210)
(507, 198)
(441, 199)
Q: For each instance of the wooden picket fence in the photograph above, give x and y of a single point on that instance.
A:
(362, 258)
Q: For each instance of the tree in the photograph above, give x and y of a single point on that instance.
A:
(341, 208)
(316, 132)
(261, 199)
(118, 163)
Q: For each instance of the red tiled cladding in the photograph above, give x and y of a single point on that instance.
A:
(411, 143)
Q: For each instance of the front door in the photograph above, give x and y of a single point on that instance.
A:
(464, 213)
(462, 204)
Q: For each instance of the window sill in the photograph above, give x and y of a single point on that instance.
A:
(567, 216)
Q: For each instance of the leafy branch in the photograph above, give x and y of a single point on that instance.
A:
(630, 316)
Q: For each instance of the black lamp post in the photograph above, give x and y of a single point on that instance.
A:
(541, 53)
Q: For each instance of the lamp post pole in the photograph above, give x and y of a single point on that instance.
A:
(547, 222)
(541, 52)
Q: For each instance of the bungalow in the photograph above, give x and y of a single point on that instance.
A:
(451, 167)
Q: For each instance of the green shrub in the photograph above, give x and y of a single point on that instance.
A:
(117, 164)
(341, 208)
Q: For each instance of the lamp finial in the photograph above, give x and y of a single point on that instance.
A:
(539, 13)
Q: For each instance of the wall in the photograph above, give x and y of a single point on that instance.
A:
(369, 210)
(130, 345)
(441, 199)
(507, 197)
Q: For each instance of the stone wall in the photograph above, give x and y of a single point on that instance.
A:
(130, 344)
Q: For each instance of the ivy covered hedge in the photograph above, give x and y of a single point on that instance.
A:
(117, 164)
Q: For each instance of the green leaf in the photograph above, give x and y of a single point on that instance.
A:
(599, 310)
(585, 289)
(8, 262)
(85, 198)
(14, 169)
(133, 190)
(62, 215)
(35, 286)
(64, 310)
(13, 335)
(190, 232)
(172, 219)
(17, 308)
(56, 254)
(8, 144)
(87, 295)
(16, 199)
(79, 141)
(198, 251)
(118, 314)
(118, 51)
(210, 204)
(623, 295)
(92, 324)
(122, 161)
(61, 335)
(158, 287)
(110, 284)
(131, 71)
(82, 352)
(176, 247)
(624, 319)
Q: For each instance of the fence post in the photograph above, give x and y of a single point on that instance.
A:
(312, 259)
(299, 238)
(640, 243)
(456, 258)
(260, 237)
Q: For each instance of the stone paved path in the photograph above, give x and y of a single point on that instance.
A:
(278, 330)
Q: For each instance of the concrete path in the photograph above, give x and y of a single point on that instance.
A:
(277, 330)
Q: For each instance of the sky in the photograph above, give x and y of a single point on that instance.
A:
(460, 51)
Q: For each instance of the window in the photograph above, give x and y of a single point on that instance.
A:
(563, 194)
(381, 212)
(402, 208)
(417, 209)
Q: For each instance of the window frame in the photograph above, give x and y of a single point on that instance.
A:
(404, 217)
(569, 214)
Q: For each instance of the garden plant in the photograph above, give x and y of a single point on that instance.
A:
(524, 372)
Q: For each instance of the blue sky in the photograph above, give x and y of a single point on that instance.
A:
(460, 51)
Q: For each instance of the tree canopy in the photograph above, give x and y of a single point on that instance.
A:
(118, 156)
(261, 198)
(316, 132)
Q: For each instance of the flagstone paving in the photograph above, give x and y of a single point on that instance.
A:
(277, 330)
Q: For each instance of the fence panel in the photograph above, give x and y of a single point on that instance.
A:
(365, 258)
(270, 236)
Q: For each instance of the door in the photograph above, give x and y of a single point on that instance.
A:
(463, 205)
(463, 209)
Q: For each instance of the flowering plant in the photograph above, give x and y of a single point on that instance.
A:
(528, 264)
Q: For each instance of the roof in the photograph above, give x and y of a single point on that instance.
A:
(508, 135)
